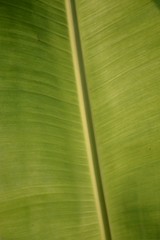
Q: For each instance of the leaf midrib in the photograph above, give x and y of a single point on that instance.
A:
(87, 120)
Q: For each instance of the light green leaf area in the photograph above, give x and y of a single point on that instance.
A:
(48, 186)
(121, 48)
(45, 184)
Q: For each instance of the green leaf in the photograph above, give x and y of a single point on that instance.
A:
(121, 48)
(79, 125)
(45, 185)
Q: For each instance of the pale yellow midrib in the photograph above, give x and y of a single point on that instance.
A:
(84, 115)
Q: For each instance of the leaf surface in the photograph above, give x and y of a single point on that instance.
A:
(79, 157)
(121, 49)
(45, 184)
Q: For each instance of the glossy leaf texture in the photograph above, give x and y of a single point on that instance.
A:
(45, 185)
(121, 48)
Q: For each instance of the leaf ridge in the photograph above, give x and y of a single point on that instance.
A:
(86, 115)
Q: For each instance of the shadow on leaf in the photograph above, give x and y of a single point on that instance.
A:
(157, 2)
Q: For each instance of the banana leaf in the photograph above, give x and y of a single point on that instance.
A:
(79, 120)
